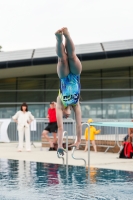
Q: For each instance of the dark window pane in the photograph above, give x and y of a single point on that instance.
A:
(30, 96)
(8, 84)
(91, 74)
(28, 83)
(88, 83)
(131, 71)
(51, 96)
(52, 81)
(94, 96)
(7, 96)
(118, 72)
(90, 79)
(115, 83)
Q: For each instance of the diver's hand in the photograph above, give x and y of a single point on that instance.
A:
(60, 151)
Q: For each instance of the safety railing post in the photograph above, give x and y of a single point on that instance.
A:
(88, 142)
(66, 133)
(73, 150)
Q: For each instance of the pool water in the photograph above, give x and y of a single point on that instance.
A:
(21, 180)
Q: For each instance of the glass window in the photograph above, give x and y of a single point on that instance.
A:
(91, 110)
(132, 111)
(27, 83)
(115, 78)
(32, 96)
(91, 74)
(109, 96)
(115, 83)
(51, 95)
(131, 78)
(37, 110)
(131, 95)
(7, 111)
(90, 79)
(115, 72)
(8, 84)
(131, 71)
(89, 83)
(94, 96)
(116, 111)
(7, 96)
(52, 81)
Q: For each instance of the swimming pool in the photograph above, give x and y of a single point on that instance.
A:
(21, 180)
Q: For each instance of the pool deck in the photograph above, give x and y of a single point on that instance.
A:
(98, 160)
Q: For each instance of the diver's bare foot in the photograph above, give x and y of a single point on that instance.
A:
(75, 145)
(65, 31)
(59, 34)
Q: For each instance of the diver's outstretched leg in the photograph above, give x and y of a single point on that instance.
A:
(77, 111)
(74, 63)
(62, 66)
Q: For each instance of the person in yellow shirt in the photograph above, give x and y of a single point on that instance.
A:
(93, 131)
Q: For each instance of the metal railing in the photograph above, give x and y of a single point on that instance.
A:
(109, 136)
(69, 126)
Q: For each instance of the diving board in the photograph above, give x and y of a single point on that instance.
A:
(113, 124)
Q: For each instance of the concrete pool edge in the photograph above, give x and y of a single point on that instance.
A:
(97, 160)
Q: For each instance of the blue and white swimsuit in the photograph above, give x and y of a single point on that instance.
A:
(70, 89)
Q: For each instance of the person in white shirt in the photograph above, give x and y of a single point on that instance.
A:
(23, 118)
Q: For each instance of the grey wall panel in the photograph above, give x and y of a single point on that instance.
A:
(80, 49)
(16, 55)
(118, 45)
(45, 52)
(88, 48)
(129, 43)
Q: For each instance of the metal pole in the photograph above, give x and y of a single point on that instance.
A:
(88, 143)
(88, 147)
(65, 132)
(73, 149)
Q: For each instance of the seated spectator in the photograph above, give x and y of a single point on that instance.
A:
(93, 131)
(127, 147)
(130, 130)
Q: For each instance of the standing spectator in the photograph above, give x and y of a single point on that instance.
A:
(52, 126)
(23, 118)
(93, 131)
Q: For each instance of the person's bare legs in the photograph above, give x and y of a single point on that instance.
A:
(59, 116)
(77, 111)
(63, 71)
(45, 135)
(86, 146)
(54, 138)
(62, 66)
(74, 63)
(94, 145)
